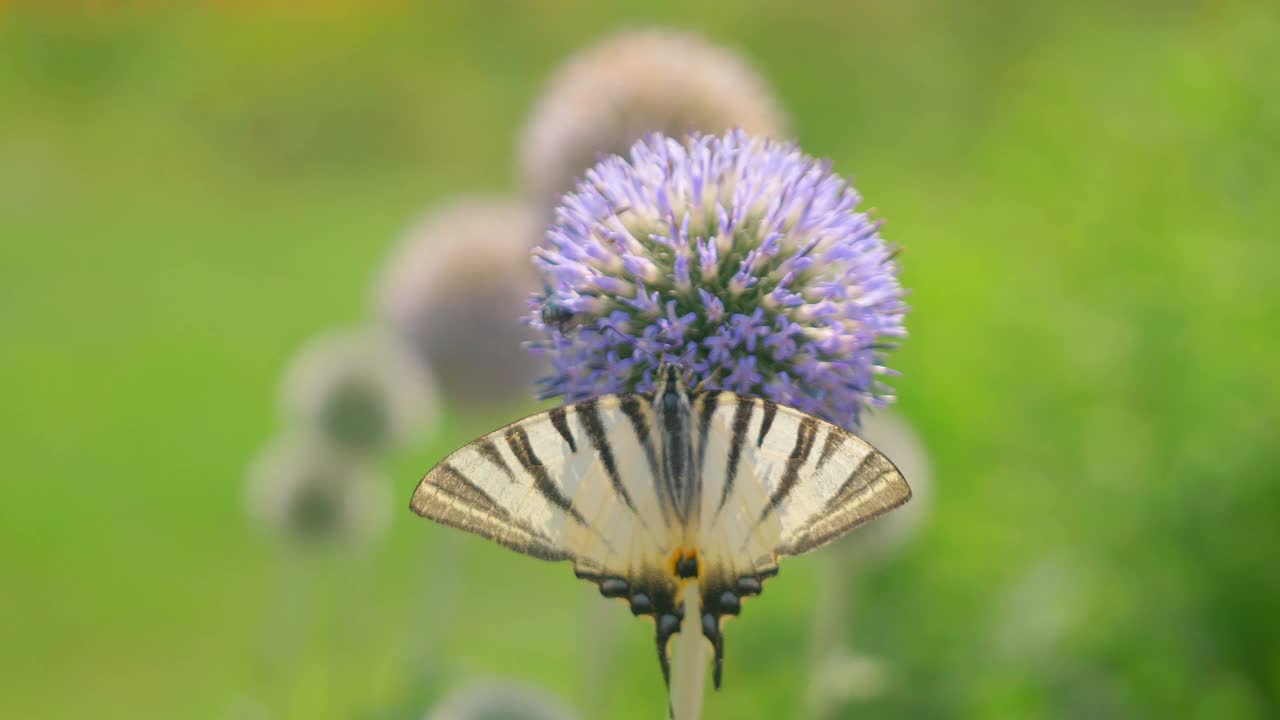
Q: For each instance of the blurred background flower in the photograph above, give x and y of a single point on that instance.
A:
(604, 98)
(501, 701)
(454, 290)
(884, 539)
(841, 675)
(303, 490)
(1085, 195)
(359, 391)
(742, 258)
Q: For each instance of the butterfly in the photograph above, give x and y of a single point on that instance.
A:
(651, 494)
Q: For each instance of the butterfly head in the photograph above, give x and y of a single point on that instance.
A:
(670, 384)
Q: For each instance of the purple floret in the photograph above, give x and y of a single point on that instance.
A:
(741, 258)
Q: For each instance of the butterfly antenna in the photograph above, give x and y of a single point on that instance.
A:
(714, 377)
(635, 346)
(690, 350)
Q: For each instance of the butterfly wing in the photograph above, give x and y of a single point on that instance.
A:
(776, 482)
(573, 483)
(579, 483)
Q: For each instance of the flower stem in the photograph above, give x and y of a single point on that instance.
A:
(689, 664)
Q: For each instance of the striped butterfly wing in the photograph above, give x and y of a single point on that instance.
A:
(776, 482)
(573, 483)
(582, 483)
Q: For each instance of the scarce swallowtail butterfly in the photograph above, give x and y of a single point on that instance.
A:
(648, 494)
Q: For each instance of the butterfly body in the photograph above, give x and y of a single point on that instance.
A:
(650, 493)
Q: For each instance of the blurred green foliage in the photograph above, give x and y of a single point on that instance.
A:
(1087, 199)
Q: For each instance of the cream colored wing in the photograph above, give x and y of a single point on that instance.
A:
(776, 481)
(575, 483)
(572, 483)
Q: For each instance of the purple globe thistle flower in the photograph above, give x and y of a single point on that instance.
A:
(742, 258)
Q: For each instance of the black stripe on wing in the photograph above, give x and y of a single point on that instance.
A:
(829, 446)
(806, 433)
(518, 441)
(705, 412)
(490, 452)
(870, 470)
(589, 414)
(466, 500)
(770, 411)
(561, 425)
(738, 438)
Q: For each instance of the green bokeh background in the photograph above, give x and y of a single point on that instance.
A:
(1087, 196)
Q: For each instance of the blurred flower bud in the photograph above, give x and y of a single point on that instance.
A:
(455, 290)
(307, 492)
(606, 97)
(501, 701)
(842, 677)
(358, 390)
(1040, 611)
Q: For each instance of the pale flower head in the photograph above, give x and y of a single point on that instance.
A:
(359, 390)
(501, 701)
(608, 96)
(453, 291)
(306, 492)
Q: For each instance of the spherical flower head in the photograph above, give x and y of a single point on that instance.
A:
(501, 701)
(358, 390)
(741, 258)
(453, 290)
(607, 96)
(305, 491)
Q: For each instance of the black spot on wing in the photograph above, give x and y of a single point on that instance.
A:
(561, 425)
(518, 441)
(721, 597)
(589, 414)
(806, 433)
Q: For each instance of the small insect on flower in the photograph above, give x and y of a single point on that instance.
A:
(554, 314)
(726, 332)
